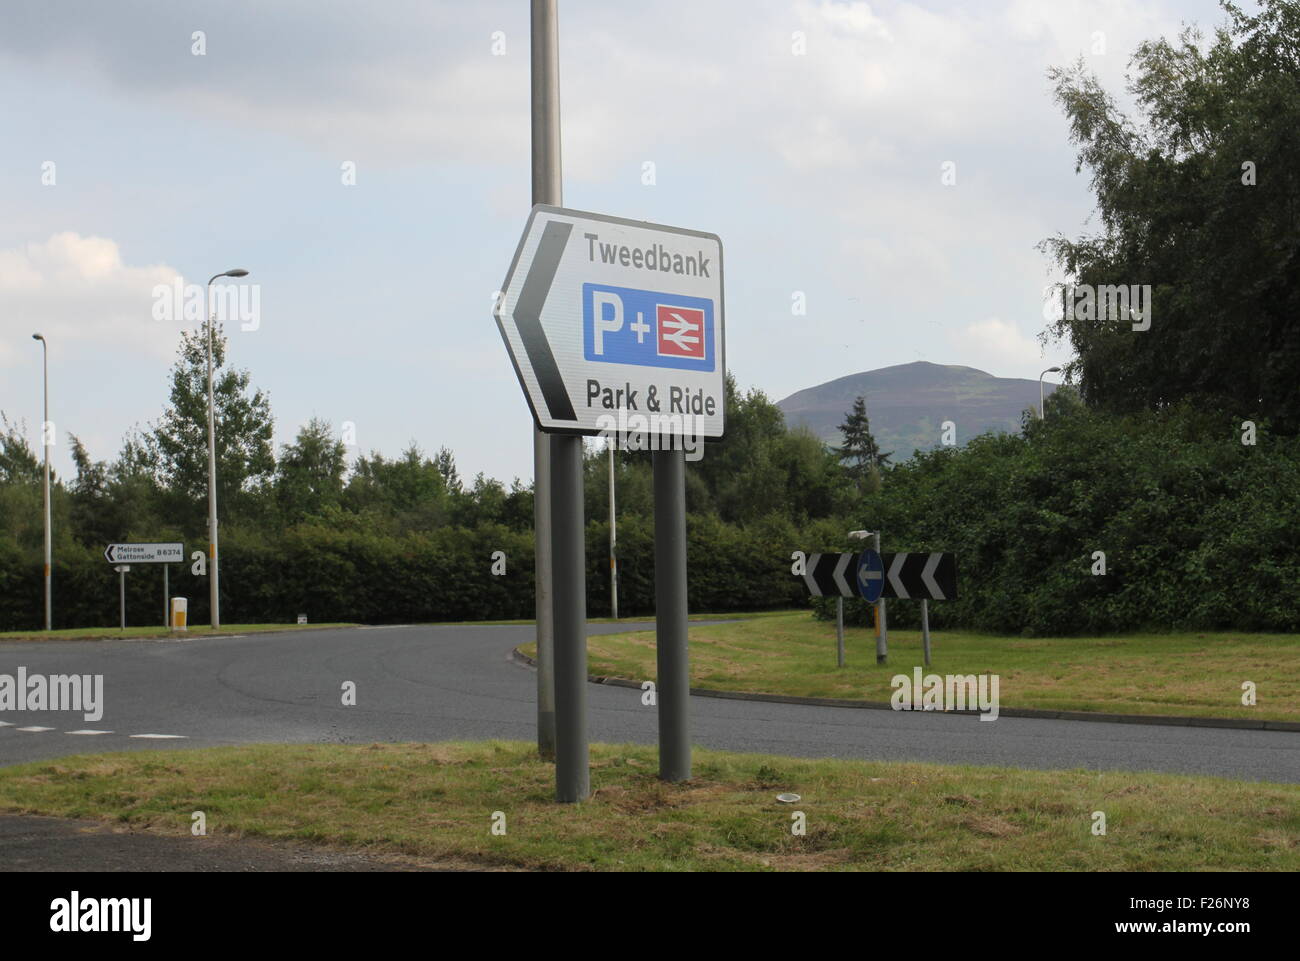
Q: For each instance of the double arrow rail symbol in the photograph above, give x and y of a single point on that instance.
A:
(679, 329)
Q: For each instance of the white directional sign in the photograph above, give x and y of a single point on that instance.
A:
(616, 325)
(145, 553)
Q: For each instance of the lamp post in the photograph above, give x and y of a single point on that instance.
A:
(45, 442)
(212, 458)
(1050, 370)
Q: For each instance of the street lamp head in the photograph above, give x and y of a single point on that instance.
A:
(39, 337)
(860, 535)
(1053, 370)
(237, 272)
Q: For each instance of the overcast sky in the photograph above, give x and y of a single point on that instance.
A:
(810, 135)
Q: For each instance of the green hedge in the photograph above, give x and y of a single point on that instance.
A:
(355, 575)
(1199, 530)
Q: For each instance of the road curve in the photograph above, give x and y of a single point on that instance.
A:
(459, 683)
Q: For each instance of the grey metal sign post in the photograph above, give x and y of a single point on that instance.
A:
(548, 185)
(925, 628)
(882, 639)
(121, 593)
(569, 557)
(164, 554)
(671, 651)
(839, 632)
(615, 329)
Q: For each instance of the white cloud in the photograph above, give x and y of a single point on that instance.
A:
(998, 346)
(77, 291)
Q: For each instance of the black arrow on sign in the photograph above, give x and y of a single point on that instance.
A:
(528, 318)
(108, 553)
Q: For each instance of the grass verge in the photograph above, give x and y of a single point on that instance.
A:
(729, 616)
(439, 799)
(108, 633)
(195, 630)
(1189, 675)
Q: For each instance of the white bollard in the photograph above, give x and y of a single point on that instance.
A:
(180, 612)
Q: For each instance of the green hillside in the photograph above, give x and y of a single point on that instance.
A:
(909, 403)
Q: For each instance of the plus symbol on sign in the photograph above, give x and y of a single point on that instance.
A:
(640, 326)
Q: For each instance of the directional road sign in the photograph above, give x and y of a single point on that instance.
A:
(831, 574)
(870, 574)
(926, 575)
(616, 325)
(145, 553)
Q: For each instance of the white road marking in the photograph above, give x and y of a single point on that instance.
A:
(87, 731)
(162, 737)
(35, 730)
(5, 724)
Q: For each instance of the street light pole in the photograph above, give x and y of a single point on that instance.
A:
(213, 595)
(1050, 370)
(45, 441)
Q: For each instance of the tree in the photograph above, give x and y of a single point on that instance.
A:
(22, 517)
(309, 476)
(860, 450)
(18, 464)
(445, 461)
(407, 494)
(92, 509)
(1198, 198)
(178, 445)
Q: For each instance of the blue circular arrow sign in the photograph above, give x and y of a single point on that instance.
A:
(870, 576)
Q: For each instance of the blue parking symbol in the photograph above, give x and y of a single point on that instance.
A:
(623, 325)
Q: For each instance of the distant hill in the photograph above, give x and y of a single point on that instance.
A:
(908, 404)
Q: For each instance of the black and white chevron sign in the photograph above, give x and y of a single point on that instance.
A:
(925, 575)
(831, 574)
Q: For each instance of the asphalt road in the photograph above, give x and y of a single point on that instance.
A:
(445, 683)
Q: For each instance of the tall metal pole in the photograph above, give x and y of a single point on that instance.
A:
(166, 600)
(213, 583)
(572, 774)
(882, 638)
(547, 189)
(121, 595)
(45, 440)
(213, 593)
(670, 615)
(613, 536)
